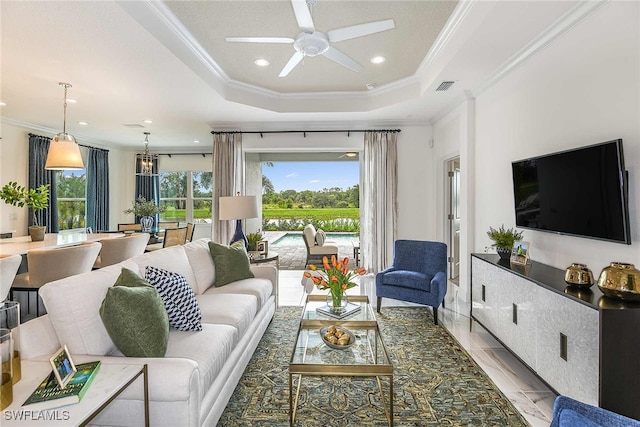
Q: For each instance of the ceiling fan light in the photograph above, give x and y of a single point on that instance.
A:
(64, 153)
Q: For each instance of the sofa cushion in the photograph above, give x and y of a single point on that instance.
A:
(262, 289)
(231, 263)
(172, 258)
(321, 236)
(135, 318)
(73, 304)
(237, 310)
(209, 348)
(178, 298)
(202, 264)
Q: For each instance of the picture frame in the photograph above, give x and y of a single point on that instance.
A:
(520, 253)
(63, 366)
(263, 246)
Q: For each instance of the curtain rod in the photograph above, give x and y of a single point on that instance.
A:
(305, 132)
(183, 154)
(93, 148)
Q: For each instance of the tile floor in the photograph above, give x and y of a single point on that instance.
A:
(528, 394)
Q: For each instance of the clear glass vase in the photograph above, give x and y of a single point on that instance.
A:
(6, 354)
(337, 301)
(10, 319)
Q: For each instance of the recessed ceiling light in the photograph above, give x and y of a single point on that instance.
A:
(351, 154)
(83, 123)
(196, 141)
(370, 86)
(147, 121)
(2, 104)
(378, 59)
(71, 100)
(261, 62)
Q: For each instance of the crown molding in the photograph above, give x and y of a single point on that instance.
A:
(98, 143)
(553, 32)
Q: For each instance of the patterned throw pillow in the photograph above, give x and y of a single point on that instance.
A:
(178, 298)
(232, 263)
(321, 236)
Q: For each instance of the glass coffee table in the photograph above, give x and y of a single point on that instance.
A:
(367, 357)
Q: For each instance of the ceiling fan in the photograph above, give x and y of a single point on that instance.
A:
(313, 43)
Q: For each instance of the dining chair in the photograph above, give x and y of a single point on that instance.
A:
(47, 265)
(166, 224)
(191, 228)
(129, 227)
(9, 265)
(172, 237)
(117, 250)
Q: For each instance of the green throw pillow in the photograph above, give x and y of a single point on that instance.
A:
(135, 318)
(232, 263)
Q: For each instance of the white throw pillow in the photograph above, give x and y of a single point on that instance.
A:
(321, 236)
(173, 258)
(202, 264)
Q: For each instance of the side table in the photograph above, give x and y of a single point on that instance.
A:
(111, 380)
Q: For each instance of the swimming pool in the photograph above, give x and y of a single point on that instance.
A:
(295, 239)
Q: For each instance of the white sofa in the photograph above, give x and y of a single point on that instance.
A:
(192, 384)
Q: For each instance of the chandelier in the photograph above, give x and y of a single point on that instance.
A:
(145, 160)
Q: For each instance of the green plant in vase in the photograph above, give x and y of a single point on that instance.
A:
(253, 239)
(146, 210)
(34, 198)
(503, 239)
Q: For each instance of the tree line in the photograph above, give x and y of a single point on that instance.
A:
(326, 198)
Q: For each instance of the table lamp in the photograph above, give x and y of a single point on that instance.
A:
(238, 208)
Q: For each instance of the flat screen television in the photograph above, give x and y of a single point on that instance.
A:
(581, 192)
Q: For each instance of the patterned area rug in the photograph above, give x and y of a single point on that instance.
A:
(436, 383)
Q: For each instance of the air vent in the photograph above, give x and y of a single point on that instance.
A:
(134, 126)
(444, 86)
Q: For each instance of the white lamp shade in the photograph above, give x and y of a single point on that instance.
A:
(238, 207)
(64, 153)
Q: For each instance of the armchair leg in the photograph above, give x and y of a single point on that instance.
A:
(435, 315)
(379, 303)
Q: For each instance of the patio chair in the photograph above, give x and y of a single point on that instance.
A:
(317, 247)
(418, 274)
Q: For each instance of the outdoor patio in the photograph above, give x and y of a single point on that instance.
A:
(294, 257)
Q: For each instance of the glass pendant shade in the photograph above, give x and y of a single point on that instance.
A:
(64, 153)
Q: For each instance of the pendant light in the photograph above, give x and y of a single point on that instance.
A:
(64, 153)
(145, 160)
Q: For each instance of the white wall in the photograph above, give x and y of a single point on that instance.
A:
(14, 165)
(582, 89)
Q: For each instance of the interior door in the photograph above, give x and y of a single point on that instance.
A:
(453, 216)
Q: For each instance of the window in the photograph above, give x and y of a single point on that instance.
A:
(71, 187)
(186, 195)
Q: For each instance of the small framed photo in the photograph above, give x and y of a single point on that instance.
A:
(63, 366)
(263, 246)
(520, 253)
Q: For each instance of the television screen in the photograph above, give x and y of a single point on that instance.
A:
(581, 192)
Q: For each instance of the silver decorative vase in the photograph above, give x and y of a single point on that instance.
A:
(146, 222)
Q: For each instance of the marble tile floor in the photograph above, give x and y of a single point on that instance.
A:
(528, 394)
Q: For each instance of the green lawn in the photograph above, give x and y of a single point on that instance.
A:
(310, 213)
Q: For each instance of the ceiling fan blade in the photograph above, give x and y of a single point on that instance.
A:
(259, 39)
(303, 16)
(335, 55)
(293, 61)
(346, 33)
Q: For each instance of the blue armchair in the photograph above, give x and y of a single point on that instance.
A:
(568, 412)
(418, 274)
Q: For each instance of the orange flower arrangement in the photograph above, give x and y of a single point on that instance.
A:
(335, 276)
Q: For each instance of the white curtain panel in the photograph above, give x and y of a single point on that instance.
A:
(228, 179)
(378, 210)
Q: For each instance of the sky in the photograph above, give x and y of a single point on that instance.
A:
(313, 176)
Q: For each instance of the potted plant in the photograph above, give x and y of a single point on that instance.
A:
(253, 239)
(146, 210)
(34, 198)
(503, 240)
